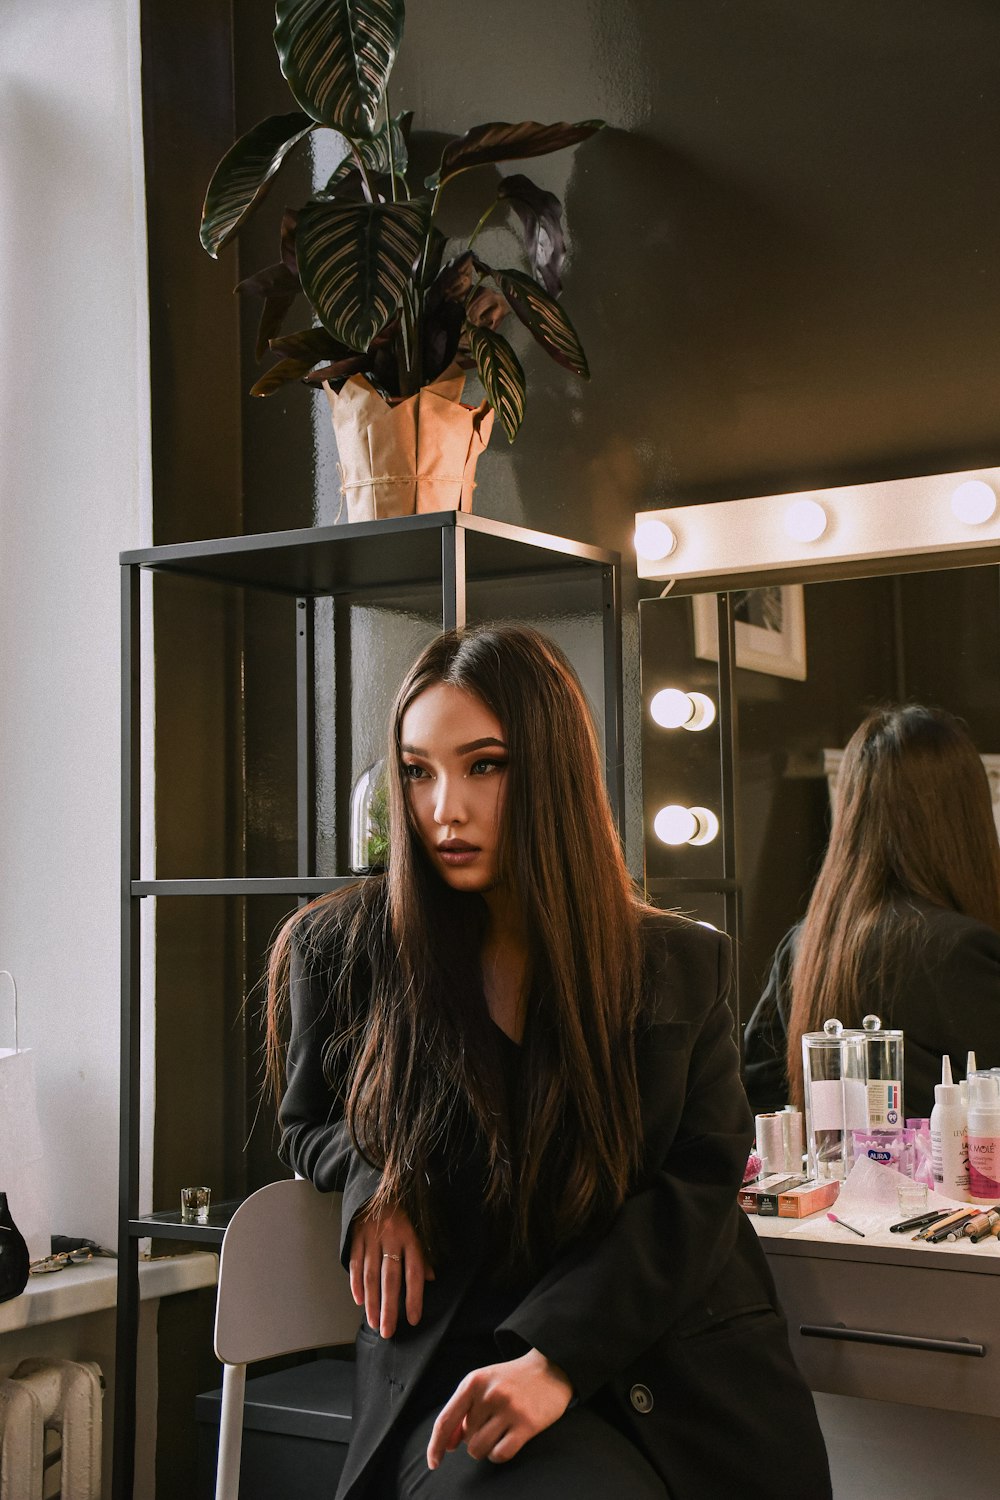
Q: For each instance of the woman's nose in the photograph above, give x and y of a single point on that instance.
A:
(449, 806)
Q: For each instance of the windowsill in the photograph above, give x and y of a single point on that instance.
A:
(93, 1287)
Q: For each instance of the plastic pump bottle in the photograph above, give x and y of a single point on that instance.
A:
(984, 1138)
(949, 1139)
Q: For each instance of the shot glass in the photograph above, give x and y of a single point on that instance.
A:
(912, 1197)
(195, 1203)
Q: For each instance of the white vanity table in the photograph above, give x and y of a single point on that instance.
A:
(913, 1409)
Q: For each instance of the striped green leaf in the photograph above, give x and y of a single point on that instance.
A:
(355, 261)
(545, 318)
(243, 176)
(501, 141)
(502, 376)
(337, 56)
(375, 155)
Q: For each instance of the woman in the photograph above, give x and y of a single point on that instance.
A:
(524, 1082)
(904, 918)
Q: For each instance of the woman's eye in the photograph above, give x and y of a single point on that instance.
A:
(485, 767)
(412, 773)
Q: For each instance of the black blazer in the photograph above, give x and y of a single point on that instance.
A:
(668, 1323)
(947, 1000)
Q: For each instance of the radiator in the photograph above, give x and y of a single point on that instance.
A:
(43, 1396)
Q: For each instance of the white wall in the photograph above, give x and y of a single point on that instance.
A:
(74, 491)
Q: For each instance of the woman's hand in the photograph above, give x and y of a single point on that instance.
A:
(383, 1253)
(497, 1409)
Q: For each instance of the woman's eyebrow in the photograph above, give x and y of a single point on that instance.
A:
(459, 749)
(479, 745)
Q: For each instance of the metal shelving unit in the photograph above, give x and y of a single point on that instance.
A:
(372, 560)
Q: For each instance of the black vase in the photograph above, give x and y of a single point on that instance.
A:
(14, 1260)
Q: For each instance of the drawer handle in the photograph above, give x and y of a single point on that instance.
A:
(894, 1340)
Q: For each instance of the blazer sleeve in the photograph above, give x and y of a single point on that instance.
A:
(606, 1301)
(315, 1140)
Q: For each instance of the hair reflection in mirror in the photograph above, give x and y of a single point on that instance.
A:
(913, 817)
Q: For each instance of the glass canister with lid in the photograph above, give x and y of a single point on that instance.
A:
(884, 1075)
(834, 1080)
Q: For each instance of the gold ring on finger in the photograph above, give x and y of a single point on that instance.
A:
(389, 1255)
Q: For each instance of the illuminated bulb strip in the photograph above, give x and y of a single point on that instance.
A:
(677, 825)
(722, 544)
(672, 709)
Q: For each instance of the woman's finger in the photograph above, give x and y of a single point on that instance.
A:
(392, 1277)
(372, 1277)
(508, 1445)
(450, 1417)
(416, 1272)
(357, 1275)
(484, 1441)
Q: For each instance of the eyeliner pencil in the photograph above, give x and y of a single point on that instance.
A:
(922, 1221)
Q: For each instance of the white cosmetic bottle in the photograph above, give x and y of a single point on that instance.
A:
(949, 1137)
(970, 1067)
(984, 1138)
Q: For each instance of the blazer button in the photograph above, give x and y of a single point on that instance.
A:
(641, 1398)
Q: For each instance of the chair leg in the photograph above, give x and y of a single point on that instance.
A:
(227, 1476)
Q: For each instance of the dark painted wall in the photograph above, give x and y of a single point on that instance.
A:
(784, 246)
(785, 261)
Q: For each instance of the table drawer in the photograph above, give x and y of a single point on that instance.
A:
(829, 1303)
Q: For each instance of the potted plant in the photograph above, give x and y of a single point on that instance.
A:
(396, 324)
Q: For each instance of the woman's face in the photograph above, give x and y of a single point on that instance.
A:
(454, 758)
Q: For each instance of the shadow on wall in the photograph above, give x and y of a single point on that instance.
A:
(678, 346)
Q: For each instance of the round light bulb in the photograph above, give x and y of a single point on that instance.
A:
(708, 825)
(973, 502)
(805, 521)
(654, 540)
(674, 824)
(704, 711)
(671, 708)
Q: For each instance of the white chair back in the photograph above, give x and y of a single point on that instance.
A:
(282, 1289)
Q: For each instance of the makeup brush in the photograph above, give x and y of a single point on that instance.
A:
(844, 1225)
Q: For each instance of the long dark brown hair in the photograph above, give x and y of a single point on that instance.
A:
(423, 1054)
(913, 818)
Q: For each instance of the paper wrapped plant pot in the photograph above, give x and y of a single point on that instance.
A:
(409, 456)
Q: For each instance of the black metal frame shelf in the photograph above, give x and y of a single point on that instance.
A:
(411, 551)
(372, 560)
(251, 885)
(168, 1225)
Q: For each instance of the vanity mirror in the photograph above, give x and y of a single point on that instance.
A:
(899, 601)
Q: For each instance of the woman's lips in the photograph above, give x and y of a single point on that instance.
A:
(457, 852)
